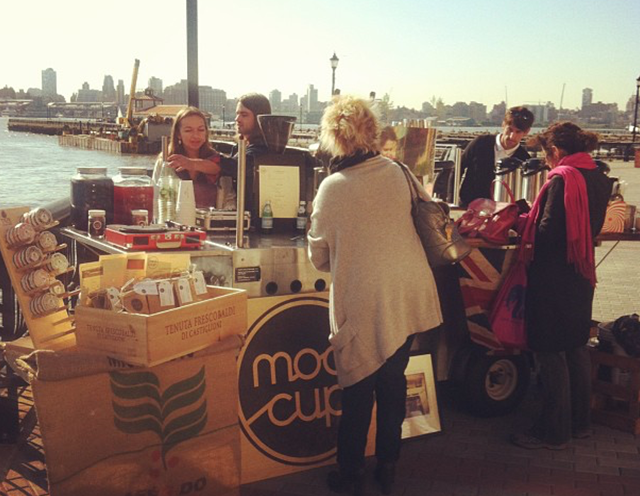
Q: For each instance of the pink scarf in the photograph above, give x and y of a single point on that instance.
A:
(576, 203)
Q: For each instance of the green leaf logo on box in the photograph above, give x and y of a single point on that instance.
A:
(141, 406)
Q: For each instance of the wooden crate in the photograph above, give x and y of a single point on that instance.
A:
(150, 340)
(616, 405)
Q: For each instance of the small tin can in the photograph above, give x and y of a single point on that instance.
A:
(36, 279)
(97, 223)
(44, 303)
(29, 255)
(40, 218)
(140, 217)
(19, 235)
(56, 264)
(57, 288)
(46, 241)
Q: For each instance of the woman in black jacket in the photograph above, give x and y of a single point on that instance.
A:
(564, 220)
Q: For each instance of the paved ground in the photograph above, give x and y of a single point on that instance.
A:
(471, 456)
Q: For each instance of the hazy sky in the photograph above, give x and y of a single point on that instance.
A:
(457, 50)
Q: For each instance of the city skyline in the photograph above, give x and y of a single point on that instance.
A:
(520, 54)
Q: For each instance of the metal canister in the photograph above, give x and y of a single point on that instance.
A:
(46, 241)
(508, 179)
(40, 218)
(29, 255)
(56, 264)
(19, 235)
(36, 279)
(534, 175)
(44, 303)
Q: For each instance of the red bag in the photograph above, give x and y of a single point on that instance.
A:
(507, 313)
(489, 220)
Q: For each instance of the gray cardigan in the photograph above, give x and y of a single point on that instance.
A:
(382, 288)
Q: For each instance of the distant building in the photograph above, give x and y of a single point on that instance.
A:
(176, 94)
(290, 105)
(156, 85)
(587, 97)
(86, 94)
(478, 112)
(120, 94)
(108, 90)
(311, 103)
(275, 98)
(496, 116)
(542, 114)
(49, 82)
(212, 100)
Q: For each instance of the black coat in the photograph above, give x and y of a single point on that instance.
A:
(558, 299)
(478, 166)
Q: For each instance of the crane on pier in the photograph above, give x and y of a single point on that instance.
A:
(562, 95)
(126, 121)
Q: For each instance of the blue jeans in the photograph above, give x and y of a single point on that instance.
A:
(388, 387)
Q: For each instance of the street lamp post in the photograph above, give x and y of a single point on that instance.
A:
(334, 64)
(635, 113)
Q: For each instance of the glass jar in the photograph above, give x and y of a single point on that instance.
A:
(132, 190)
(90, 189)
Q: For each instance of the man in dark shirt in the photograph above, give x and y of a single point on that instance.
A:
(481, 155)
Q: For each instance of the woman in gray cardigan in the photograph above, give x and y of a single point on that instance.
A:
(382, 290)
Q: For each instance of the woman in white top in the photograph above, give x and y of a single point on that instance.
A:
(382, 290)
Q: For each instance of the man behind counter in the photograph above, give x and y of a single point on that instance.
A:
(481, 155)
(249, 107)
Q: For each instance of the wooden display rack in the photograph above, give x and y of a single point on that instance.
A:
(616, 405)
(52, 331)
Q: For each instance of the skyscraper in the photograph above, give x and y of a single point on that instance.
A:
(108, 90)
(275, 98)
(120, 92)
(156, 85)
(312, 99)
(587, 97)
(49, 82)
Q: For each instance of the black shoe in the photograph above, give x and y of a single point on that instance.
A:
(341, 483)
(385, 474)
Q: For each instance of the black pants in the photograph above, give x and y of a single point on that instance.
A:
(566, 385)
(388, 387)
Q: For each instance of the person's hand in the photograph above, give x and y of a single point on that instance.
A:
(180, 163)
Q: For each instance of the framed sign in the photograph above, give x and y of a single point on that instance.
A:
(422, 415)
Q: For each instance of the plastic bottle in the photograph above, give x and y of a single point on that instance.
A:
(167, 182)
(301, 219)
(266, 223)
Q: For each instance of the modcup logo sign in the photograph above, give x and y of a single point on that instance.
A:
(289, 397)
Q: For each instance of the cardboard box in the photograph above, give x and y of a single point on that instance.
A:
(157, 338)
(168, 430)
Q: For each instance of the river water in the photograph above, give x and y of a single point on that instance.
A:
(34, 169)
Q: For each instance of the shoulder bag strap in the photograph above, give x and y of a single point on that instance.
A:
(412, 186)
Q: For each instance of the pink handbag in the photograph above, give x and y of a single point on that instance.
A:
(507, 312)
(489, 220)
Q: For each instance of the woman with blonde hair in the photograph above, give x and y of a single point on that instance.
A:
(192, 156)
(382, 290)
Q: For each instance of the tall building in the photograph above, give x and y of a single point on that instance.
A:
(86, 94)
(587, 97)
(211, 100)
(312, 99)
(108, 90)
(176, 94)
(275, 98)
(478, 112)
(120, 94)
(156, 85)
(49, 82)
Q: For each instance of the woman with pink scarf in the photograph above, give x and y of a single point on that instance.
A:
(558, 238)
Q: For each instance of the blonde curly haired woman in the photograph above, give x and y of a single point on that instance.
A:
(382, 291)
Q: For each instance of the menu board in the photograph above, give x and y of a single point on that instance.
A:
(281, 186)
